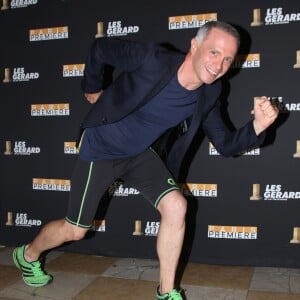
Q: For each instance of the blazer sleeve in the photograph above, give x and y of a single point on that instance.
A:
(120, 54)
(230, 142)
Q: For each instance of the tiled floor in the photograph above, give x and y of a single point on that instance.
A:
(85, 277)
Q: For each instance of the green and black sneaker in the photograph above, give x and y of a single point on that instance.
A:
(173, 295)
(32, 272)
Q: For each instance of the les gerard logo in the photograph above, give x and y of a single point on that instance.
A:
(274, 16)
(274, 192)
(17, 3)
(19, 74)
(20, 148)
(21, 220)
(118, 189)
(151, 228)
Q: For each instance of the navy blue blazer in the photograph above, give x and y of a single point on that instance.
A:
(145, 68)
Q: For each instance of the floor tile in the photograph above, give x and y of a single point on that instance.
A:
(108, 288)
(8, 276)
(254, 295)
(81, 263)
(194, 292)
(130, 268)
(64, 287)
(219, 276)
(276, 280)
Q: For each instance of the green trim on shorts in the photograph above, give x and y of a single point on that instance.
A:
(84, 194)
(163, 194)
(77, 224)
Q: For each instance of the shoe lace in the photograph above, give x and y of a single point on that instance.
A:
(175, 295)
(37, 270)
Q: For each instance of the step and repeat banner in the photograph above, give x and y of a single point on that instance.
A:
(242, 210)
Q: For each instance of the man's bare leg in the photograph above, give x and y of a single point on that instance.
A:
(172, 208)
(52, 235)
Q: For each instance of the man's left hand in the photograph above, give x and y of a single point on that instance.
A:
(264, 114)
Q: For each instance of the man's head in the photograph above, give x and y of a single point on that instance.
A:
(207, 27)
(212, 51)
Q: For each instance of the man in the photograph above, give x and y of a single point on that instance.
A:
(157, 90)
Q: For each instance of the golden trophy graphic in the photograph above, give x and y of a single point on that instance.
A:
(296, 236)
(5, 5)
(256, 192)
(9, 219)
(256, 17)
(8, 148)
(297, 154)
(6, 75)
(297, 64)
(138, 228)
(99, 30)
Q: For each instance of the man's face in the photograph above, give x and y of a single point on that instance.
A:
(212, 58)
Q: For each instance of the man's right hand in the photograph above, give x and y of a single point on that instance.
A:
(92, 97)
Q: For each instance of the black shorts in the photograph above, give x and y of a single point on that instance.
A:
(146, 172)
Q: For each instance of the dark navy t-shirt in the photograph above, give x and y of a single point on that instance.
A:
(136, 132)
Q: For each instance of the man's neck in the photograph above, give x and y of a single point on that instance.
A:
(186, 75)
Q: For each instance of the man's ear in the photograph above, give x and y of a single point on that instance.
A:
(194, 45)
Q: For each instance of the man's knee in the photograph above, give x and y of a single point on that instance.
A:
(73, 232)
(173, 205)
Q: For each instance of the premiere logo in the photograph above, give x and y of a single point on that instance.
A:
(75, 70)
(115, 28)
(70, 148)
(199, 189)
(251, 152)
(44, 184)
(232, 232)
(246, 61)
(190, 21)
(46, 34)
(50, 110)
